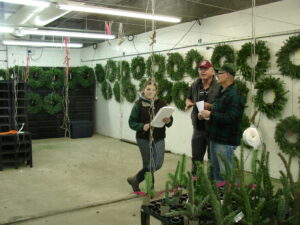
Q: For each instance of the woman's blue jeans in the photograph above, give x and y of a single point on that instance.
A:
(158, 154)
(218, 166)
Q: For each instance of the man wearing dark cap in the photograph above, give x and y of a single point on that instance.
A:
(204, 89)
(225, 117)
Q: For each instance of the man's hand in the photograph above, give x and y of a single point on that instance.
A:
(200, 116)
(207, 106)
(166, 120)
(146, 127)
(188, 104)
(205, 114)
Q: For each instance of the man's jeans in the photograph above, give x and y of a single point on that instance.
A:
(218, 166)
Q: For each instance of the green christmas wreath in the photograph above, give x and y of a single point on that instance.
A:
(117, 90)
(35, 79)
(222, 51)
(288, 125)
(129, 90)
(179, 94)
(85, 77)
(284, 63)
(106, 90)
(3, 75)
(192, 60)
(165, 90)
(54, 78)
(35, 103)
(111, 70)
(72, 77)
(175, 66)
(262, 65)
(53, 103)
(100, 73)
(138, 67)
(124, 70)
(272, 110)
(242, 88)
(158, 60)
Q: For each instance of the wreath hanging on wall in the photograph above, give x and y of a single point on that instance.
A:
(288, 125)
(179, 94)
(35, 103)
(129, 90)
(242, 88)
(100, 73)
(85, 77)
(53, 103)
(35, 79)
(165, 91)
(138, 67)
(158, 60)
(124, 70)
(272, 110)
(3, 75)
(222, 51)
(111, 70)
(284, 63)
(192, 60)
(262, 65)
(54, 78)
(72, 77)
(117, 90)
(106, 90)
(175, 66)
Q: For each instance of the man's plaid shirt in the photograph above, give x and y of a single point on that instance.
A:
(225, 121)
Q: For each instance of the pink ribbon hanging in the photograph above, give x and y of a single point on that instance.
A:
(107, 28)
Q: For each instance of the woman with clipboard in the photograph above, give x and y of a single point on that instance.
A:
(149, 139)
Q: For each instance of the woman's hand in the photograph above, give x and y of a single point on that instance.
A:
(166, 120)
(146, 127)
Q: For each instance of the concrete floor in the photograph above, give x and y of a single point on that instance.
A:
(76, 181)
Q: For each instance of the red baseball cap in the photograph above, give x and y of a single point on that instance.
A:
(205, 64)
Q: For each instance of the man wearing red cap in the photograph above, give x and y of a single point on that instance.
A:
(205, 88)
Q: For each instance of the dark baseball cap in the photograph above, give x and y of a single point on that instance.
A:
(205, 64)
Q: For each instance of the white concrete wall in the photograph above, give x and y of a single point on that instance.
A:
(112, 117)
(39, 56)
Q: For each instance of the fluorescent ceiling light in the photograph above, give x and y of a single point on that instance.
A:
(6, 29)
(40, 4)
(67, 34)
(41, 44)
(118, 12)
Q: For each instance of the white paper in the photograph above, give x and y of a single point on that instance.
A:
(200, 106)
(164, 112)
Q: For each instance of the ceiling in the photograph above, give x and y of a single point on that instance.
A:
(188, 10)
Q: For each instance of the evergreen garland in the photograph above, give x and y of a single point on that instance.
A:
(142, 84)
(35, 103)
(138, 67)
(165, 91)
(53, 103)
(272, 110)
(106, 90)
(175, 60)
(124, 70)
(192, 58)
(100, 73)
(54, 78)
(284, 63)
(3, 75)
(72, 77)
(221, 51)
(85, 77)
(262, 65)
(179, 94)
(117, 90)
(111, 70)
(129, 90)
(242, 88)
(35, 79)
(160, 61)
(289, 124)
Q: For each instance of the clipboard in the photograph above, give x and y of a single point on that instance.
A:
(161, 114)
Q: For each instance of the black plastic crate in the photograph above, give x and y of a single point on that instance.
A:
(81, 128)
